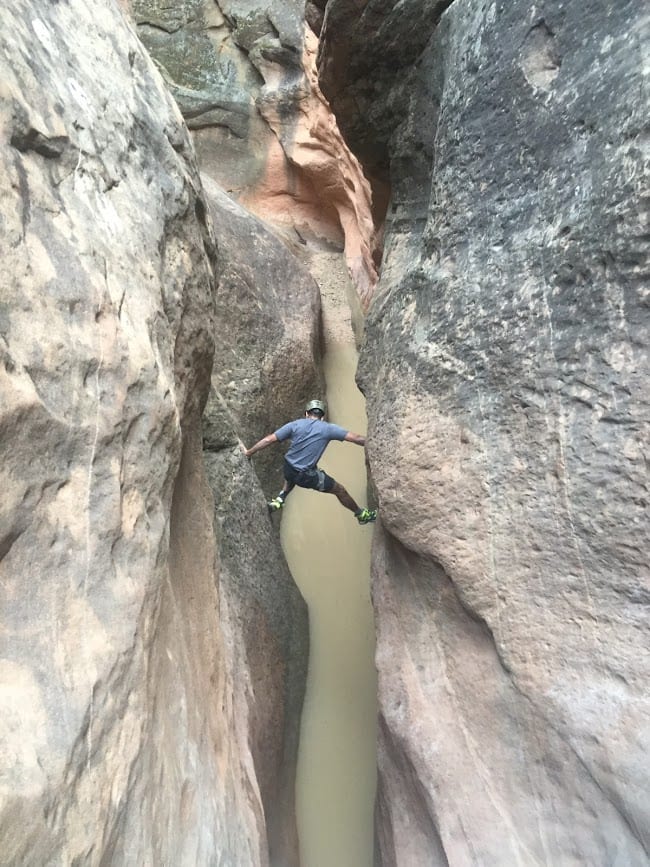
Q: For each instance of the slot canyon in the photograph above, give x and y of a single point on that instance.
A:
(433, 215)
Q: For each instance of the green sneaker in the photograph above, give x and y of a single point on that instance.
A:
(275, 504)
(366, 516)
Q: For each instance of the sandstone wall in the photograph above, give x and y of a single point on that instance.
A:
(140, 723)
(506, 373)
(244, 76)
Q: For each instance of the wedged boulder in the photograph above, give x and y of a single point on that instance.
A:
(267, 353)
(506, 372)
(245, 78)
(126, 705)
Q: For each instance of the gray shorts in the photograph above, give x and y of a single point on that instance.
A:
(315, 479)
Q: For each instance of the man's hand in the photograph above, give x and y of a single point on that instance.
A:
(262, 444)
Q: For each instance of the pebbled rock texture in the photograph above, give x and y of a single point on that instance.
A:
(506, 371)
(245, 78)
(140, 723)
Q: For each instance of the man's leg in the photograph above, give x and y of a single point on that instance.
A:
(287, 487)
(278, 502)
(343, 497)
(331, 486)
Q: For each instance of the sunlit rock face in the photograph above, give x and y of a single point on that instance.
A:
(244, 76)
(139, 721)
(506, 373)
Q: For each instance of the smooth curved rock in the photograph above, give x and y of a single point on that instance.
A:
(313, 184)
(267, 352)
(506, 373)
(140, 722)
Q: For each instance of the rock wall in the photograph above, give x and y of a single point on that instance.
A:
(245, 78)
(506, 370)
(268, 308)
(148, 699)
(153, 645)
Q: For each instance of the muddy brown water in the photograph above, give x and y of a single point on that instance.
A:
(329, 556)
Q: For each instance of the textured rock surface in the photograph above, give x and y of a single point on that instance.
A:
(213, 57)
(147, 710)
(506, 374)
(244, 76)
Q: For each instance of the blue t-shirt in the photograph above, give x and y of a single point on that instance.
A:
(309, 439)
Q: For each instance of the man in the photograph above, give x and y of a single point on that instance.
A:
(309, 438)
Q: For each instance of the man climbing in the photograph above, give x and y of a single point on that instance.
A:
(309, 438)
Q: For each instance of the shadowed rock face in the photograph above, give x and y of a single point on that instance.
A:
(506, 374)
(368, 61)
(148, 704)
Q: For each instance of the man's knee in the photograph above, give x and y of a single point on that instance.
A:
(337, 489)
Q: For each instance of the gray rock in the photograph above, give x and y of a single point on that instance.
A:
(506, 372)
(368, 60)
(244, 76)
(264, 620)
(315, 14)
(267, 353)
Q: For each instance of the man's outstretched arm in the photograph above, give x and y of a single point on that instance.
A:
(355, 438)
(268, 440)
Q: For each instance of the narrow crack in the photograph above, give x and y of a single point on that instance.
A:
(160, 26)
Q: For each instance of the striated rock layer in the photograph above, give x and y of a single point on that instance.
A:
(148, 699)
(506, 371)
